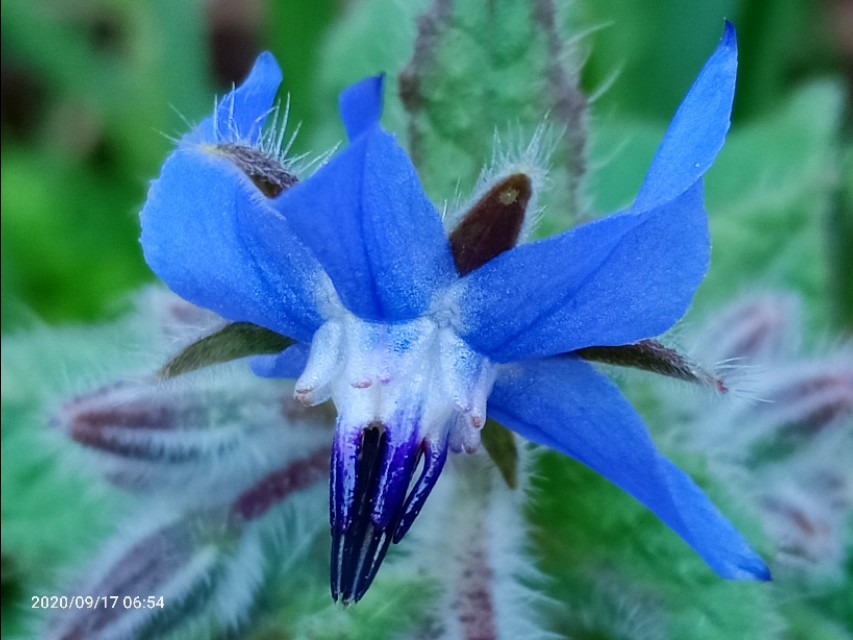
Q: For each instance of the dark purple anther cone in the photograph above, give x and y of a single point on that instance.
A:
(371, 474)
(434, 456)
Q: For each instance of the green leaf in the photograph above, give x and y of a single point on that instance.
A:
(591, 537)
(841, 239)
(768, 194)
(233, 341)
(499, 443)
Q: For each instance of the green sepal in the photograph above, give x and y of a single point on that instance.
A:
(651, 355)
(233, 341)
(499, 443)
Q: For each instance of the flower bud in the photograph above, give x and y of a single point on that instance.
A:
(191, 573)
(809, 531)
(756, 327)
(173, 318)
(811, 398)
(802, 401)
(203, 436)
(279, 485)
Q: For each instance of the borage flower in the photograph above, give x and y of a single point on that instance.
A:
(417, 337)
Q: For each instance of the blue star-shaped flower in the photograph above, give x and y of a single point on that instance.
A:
(417, 338)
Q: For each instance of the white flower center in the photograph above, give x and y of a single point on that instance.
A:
(376, 371)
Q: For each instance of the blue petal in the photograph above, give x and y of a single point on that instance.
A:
(240, 115)
(610, 282)
(366, 217)
(290, 363)
(565, 404)
(210, 236)
(697, 131)
(361, 106)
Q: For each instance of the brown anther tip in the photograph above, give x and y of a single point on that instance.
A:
(361, 384)
(493, 224)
